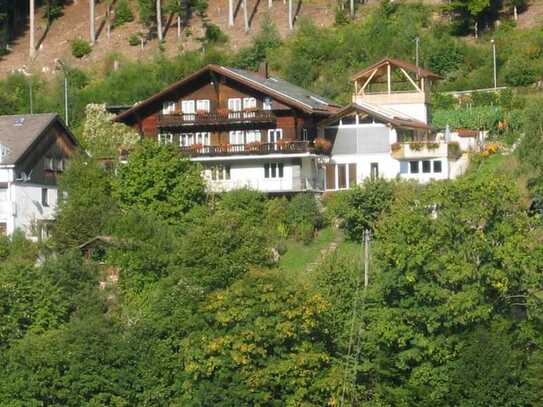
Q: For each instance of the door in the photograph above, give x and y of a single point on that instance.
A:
(234, 108)
(274, 135)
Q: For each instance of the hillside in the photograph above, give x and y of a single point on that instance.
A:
(74, 23)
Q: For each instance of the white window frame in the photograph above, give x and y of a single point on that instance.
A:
(188, 107)
(236, 137)
(165, 138)
(252, 136)
(220, 173)
(45, 197)
(274, 167)
(249, 103)
(168, 107)
(203, 104)
(267, 103)
(49, 164)
(275, 132)
(235, 104)
(202, 138)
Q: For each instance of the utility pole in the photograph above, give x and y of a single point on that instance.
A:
(32, 49)
(493, 42)
(366, 258)
(61, 67)
(417, 54)
(92, 27)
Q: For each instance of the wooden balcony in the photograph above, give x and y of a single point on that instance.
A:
(176, 120)
(256, 148)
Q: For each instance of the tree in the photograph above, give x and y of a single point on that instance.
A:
(448, 261)
(157, 179)
(264, 343)
(92, 21)
(32, 15)
(159, 20)
(85, 206)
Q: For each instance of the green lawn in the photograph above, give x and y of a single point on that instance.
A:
(299, 255)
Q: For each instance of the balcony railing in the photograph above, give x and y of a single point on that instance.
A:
(425, 149)
(215, 118)
(256, 148)
(294, 184)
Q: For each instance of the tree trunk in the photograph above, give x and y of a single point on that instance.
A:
(108, 21)
(32, 50)
(178, 27)
(159, 20)
(290, 25)
(352, 7)
(515, 12)
(92, 26)
(270, 3)
(230, 13)
(245, 16)
(476, 28)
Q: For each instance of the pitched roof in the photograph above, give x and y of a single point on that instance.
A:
(421, 72)
(18, 133)
(382, 113)
(279, 89)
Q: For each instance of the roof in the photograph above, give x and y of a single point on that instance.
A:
(279, 89)
(18, 133)
(421, 72)
(97, 239)
(382, 113)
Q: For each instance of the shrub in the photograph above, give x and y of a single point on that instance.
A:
(134, 40)
(322, 145)
(80, 48)
(214, 35)
(520, 73)
(123, 14)
(454, 150)
(246, 202)
(304, 214)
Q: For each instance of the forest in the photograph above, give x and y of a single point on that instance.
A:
(213, 302)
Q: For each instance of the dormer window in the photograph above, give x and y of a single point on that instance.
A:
(168, 107)
(49, 164)
(188, 107)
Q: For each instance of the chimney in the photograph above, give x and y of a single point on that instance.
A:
(263, 70)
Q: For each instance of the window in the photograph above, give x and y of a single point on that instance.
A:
(202, 138)
(234, 104)
(273, 170)
(305, 134)
(252, 136)
(414, 167)
(44, 196)
(352, 175)
(203, 105)
(426, 166)
(3, 193)
(267, 103)
(187, 106)
(237, 137)
(342, 176)
(348, 120)
(330, 176)
(274, 135)
(59, 164)
(220, 172)
(166, 138)
(374, 170)
(49, 164)
(249, 103)
(437, 166)
(168, 107)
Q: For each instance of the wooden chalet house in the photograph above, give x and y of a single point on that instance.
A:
(34, 151)
(247, 129)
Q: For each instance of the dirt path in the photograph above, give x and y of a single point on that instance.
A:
(325, 252)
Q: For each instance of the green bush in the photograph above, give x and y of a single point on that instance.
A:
(304, 216)
(246, 202)
(123, 14)
(520, 73)
(134, 40)
(213, 35)
(80, 48)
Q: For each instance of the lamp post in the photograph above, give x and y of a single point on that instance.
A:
(493, 42)
(60, 66)
(28, 75)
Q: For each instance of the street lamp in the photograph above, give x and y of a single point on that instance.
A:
(493, 42)
(28, 75)
(60, 66)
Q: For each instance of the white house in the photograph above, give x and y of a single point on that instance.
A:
(385, 132)
(33, 153)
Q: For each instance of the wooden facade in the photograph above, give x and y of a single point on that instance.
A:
(271, 116)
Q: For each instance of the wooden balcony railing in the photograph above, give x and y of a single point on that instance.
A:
(256, 148)
(214, 118)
